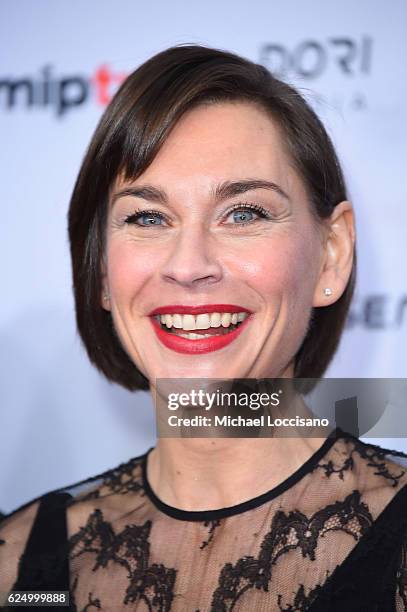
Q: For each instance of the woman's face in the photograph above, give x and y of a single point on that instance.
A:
(212, 255)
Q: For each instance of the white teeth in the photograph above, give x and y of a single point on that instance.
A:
(177, 321)
(226, 319)
(215, 319)
(189, 322)
(192, 336)
(203, 321)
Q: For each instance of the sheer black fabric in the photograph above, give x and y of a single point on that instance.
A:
(333, 536)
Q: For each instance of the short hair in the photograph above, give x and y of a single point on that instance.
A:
(129, 135)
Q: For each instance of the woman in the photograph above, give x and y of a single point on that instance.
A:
(211, 236)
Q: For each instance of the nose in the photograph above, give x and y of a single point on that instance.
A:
(193, 260)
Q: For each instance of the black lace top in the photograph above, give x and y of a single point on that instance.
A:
(332, 537)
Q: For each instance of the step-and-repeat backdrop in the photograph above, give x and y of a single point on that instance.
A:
(59, 66)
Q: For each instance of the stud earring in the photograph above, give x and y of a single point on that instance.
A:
(106, 297)
(328, 291)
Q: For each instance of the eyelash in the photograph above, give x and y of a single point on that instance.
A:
(140, 212)
(265, 214)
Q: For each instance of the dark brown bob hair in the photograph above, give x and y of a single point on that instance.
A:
(128, 137)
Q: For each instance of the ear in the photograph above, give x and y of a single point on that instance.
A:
(338, 253)
(105, 295)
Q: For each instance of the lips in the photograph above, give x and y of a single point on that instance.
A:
(198, 329)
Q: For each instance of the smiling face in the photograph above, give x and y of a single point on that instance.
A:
(216, 234)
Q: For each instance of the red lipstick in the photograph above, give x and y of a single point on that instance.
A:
(195, 310)
(197, 347)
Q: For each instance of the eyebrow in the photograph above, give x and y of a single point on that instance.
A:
(229, 189)
(145, 192)
(224, 190)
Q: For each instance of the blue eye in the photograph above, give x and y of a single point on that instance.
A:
(149, 219)
(243, 216)
(145, 218)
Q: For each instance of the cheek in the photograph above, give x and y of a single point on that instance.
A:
(282, 265)
(129, 267)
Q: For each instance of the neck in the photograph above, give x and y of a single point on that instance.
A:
(211, 473)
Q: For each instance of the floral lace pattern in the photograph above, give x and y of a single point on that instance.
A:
(130, 548)
(280, 553)
(288, 532)
(375, 458)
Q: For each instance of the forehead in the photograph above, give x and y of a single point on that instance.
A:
(218, 142)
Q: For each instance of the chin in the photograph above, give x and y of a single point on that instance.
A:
(200, 370)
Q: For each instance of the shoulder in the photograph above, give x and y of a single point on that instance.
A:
(124, 477)
(104, 489)
(15, 526)
(378, 474)
(105, 495)
(15, 529)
